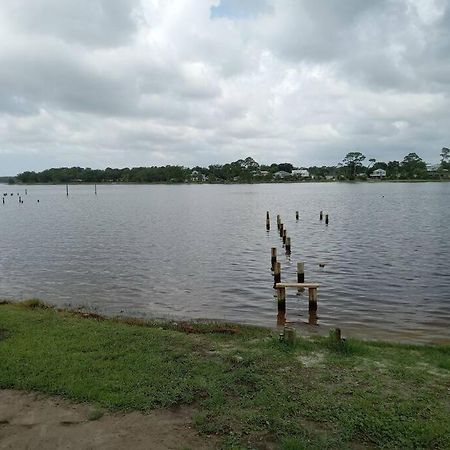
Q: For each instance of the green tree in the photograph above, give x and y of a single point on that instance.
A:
(413, 166)
(353, 161)
(445, 158)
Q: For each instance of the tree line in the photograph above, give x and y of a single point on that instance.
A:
(243, 170)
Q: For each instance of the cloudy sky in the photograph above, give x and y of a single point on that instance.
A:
(120, 83)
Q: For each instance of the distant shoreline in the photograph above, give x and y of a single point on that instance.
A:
(106, 183)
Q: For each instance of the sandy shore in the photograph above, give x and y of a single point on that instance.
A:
(33, 421)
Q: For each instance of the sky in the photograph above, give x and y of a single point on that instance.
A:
(124, 83)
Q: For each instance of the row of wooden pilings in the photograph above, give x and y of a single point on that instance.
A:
(5, 195)
(300, 285)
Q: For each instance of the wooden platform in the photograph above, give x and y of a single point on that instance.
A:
(312, 292)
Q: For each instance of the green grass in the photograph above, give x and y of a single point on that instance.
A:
(248, 387)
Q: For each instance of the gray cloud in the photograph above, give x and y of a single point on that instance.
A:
(129, 82)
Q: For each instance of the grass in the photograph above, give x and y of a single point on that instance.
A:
(248, 387)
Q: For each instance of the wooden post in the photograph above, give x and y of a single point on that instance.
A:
(300, 275)
(312, 317)
(26, 192)
(284, 236)
(3, 198)
(281, 296)
(288, 245)
(278, 221)
(296, 215)
(277, 274)
(281, 230)
(321, 215)
(326, 219)
(312, 299)
(281, 316)
(300, 272)
(67, 190)
(289, 334)
(95, 189)
(273, 258)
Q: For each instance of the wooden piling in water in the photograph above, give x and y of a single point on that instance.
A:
(300, 272)
(3, 198)
(273, 258)
(288, 245)
(67, 190)
(296, 215)
(95, 189)
(276, 274)
(281, 230)
(312, 299)
(284, 236)
(321, 215)
(300, 275)
(281, 296)
(278, 222)
(326, 219)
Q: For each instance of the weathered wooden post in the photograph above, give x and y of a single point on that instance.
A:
(288, 245)
(335, 335)
(3, 198)
(278, 221)
(276, 274)
(284, 236)
(296, 215)
(312, 299)
(281, 230)
(300, 272)
(281, 296)
(326, 219)
(95, 189)
(289, 334)
(321, 215)
(300, 275)
(67, 190)
(273, 258)
(26, 192)
(312, 317)
(281, 316)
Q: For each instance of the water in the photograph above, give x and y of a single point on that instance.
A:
(202, 251)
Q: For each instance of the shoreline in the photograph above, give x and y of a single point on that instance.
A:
(246, 386)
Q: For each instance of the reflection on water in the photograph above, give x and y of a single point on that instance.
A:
(203, 251)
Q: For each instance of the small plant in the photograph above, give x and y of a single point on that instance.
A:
(95, 414)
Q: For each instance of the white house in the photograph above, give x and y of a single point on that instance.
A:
(300, 173)
(281, 174)
(378, 173)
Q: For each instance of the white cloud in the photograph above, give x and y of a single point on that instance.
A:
(127, 82)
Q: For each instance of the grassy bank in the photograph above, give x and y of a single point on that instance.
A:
(248, 387)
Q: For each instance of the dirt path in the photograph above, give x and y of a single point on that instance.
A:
(33, 421)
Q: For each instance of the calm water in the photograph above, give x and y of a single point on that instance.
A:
(202, 251)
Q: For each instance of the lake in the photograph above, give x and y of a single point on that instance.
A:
(202, 252)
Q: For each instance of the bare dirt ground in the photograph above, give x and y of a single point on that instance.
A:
(33, 421)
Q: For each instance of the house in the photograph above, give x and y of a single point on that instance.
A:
(300, 173)
(378, 173)
(433, 167)
(281, 174)
(198, 177)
